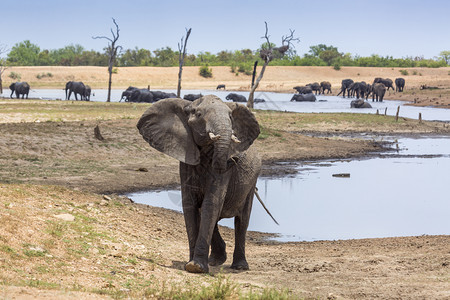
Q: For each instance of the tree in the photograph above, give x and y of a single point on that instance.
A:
(24, 54)
(267, 53)
(445, 56)
(181, 56)
(112, 50)
(3, 65)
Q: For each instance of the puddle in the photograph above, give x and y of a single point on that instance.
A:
(397, 194)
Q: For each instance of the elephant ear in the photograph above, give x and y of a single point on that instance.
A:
(165, 127)
(245, 126)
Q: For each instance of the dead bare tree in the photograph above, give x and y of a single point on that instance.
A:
(3, 65)
(112, 52)
(181, 56)
(267, 54)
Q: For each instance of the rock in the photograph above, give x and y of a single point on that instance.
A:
(65, 217)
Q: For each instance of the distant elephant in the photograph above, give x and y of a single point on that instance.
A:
(218, 170)
(399, 84)
(360, 104)
(303, 89)
(236, 97)
(345, 87)
(141, 95)
(304, 97)
(87, 93)
(75, 87)
(126, 95)
(258, 100)
(388, 83)
(20, 88)
(159, 95)
(359, 89)
(378, 91)
(220, 86)
(315, 87)
(325, 85)
(192, 97)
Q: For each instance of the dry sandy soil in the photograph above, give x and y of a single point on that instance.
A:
(62, 238)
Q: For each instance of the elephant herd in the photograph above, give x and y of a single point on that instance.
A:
(77, 88)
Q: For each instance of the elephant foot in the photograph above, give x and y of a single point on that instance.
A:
(217, 260)
(241, 265)
(194, 267)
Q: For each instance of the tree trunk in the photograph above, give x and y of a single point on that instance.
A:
(108, 99)
(1, 86)
(250, 101)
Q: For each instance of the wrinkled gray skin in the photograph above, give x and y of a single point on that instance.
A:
(236, 97)
(303, 89)
(20, 88)
(75, 87)
(218, 174)
(304, 97)
(315, 87)
(399, 84)
(378, 91)
(360, 104)
(87, 93)
(325, 85)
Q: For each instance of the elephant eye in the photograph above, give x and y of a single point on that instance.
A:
(198, 114)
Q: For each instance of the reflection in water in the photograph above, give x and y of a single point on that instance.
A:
(399, 195)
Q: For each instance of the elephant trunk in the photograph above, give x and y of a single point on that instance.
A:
(222, 138)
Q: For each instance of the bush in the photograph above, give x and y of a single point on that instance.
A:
(14, 75)
(43, 75)
(205, 71)
(404, 72)
(337, 66)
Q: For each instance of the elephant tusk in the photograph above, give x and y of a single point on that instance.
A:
(214, 137)
(235, 139)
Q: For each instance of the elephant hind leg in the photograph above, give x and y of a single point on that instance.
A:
(218, 249)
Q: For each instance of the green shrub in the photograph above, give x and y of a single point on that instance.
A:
(414, 72)
(14, 75)
(43, 75)
(404, 72)
(337, 66)
(205, 71)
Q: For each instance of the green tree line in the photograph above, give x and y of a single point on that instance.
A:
(28, 54)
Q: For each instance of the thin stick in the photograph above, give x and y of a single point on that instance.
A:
(262, 203)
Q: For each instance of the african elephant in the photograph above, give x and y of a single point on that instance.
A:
(359, 89)
(220, 86)
(87, 93)
(378, 91)
(127, 93)
(20, 88)
(192, 97)
(303, 89)
(159, 95)
(325, 85)
(360, 104)
(304, 97)
(218, 170)
(141, 95)
(236, 97)
(315, 87)
(399, 84)
(386, 81)
(75, 87)
(345, 86)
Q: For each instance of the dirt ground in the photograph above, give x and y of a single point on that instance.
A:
(67, 233)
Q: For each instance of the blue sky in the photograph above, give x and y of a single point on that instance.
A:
(398, 28)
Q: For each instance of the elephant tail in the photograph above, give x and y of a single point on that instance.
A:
(263, 205)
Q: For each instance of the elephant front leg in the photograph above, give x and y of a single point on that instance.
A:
(218, 249)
